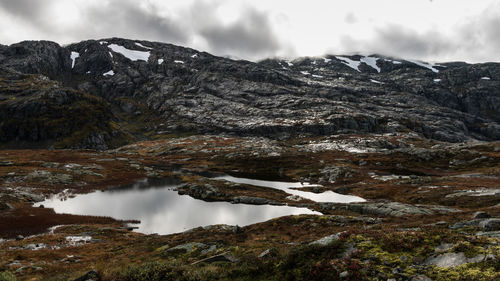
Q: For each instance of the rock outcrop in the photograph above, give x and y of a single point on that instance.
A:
(174, 89)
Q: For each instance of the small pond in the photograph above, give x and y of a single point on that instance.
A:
(161, 210)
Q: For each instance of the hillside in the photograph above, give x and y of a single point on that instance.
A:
(153, 89)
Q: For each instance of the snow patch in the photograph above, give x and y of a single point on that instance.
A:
(437, 80)
(179, 61)
(326, 60)
(393, 61)
(103, 42)
(485, 78)
(376, 82)
(305, 72)
(73, 57)
(142, 46)
(160, 61)
(371, 61)
(194, 56)
(351, 63)
(317, 76)
(130, 54)
(425, 65)
(109, 73)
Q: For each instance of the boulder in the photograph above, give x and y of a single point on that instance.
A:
(326, 240)
(452, 259)
(420, 277)
(89, 276)
(490, 224)
(481, 215)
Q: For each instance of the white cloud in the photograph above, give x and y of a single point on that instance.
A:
(420, 29)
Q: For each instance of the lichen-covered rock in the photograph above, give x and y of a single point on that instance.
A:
(452, 259)
(326, 240)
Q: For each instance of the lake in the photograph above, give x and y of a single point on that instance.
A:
(161, 210)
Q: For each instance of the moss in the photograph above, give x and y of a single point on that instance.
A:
(468, 272)
(7, 276)
(468, 249)
(148, 272)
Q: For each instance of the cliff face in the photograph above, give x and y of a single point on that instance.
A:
(99, 94)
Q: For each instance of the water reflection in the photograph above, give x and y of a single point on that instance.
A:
(327, 196)
(161, 210)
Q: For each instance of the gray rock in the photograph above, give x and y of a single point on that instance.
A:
(267, 253)
(89, 276)
(490, 224)
(187, 248)
(443, 247)
(463, 224)
(344, 274)
(48, 177)
(492, 234)
(218, 258)
(349, 250)
(452, 259)
(210, 249)
(325, 240)
(251, 200)
(397, 209)
(481, 215)
(333, 173)
(205, 191)
(420, 278)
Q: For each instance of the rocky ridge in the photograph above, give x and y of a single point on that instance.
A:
(162, 89)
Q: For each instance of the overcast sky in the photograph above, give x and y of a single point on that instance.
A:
(437, 30)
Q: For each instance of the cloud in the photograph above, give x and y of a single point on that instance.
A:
(406, 42)
(480, 36)
(350, 18)
(475, 39)
(253, 31)
(27, 10)
(251, 35)
(125, 18)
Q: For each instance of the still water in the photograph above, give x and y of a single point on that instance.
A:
(288, 187)
(161, 210)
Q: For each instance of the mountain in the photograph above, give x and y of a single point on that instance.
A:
(109, 92)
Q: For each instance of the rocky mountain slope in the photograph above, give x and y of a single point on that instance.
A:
(104, 93)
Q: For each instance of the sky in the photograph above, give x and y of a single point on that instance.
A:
(429, 30)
